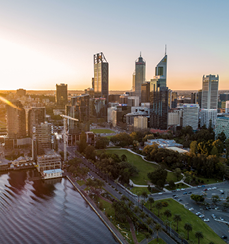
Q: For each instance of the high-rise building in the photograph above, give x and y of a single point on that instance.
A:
(159, 97)
(62, 94)
(145, 92)
(43, 139)
(191, 115)
(222, 125)
(16, 122)
(199, 98)
(139, 76)
(80, 110)
(206, 115)
(35, 117)
(172, 100)
(101, 76)
(210, 92)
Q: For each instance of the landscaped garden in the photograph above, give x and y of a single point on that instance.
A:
(143, 166)
(198, 225)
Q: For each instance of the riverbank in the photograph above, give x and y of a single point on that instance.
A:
(99, 213)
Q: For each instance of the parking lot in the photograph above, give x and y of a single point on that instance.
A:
(183, 197)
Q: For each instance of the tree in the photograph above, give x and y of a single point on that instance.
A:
(219, 145)
(101, 142)
(158, 207)
(123, 139)
(199, 236)
(197, 198)
(144, 195)
(177, 172)
(177, 218)
(90, 152)
(227, 147)
(193, 147)
(123, 157)
(157, 228)
(171, 184)
(151, 201)
(215, 199)
(147, 236)
(188, 227)
(136, 209)
(142, 215)
(167, 213)
(158, 177)
(214, 151)
(222, 137)
(149, 222)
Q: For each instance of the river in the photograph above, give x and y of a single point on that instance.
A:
(36, 211)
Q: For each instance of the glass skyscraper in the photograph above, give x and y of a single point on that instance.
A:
(139, 76)
(101, 76)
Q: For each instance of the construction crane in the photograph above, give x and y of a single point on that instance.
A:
(65, 117)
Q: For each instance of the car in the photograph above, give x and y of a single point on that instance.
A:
(185, 193)
(179, 200)
(213, 216)
(221, 218)
(216, 208)
(198, 213)
(174, 195)
(205, 189)
(160, 193)
(203, 185)
(222, 192)
(214, 188)
(201, 215)
(182, 189)
(198, 186)
(178, 189)
(224, 237)
(206, 220)
(189, 192)
(191, 209)
(209, 189)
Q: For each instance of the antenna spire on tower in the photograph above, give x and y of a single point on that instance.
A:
(165, 49)
(140, 54)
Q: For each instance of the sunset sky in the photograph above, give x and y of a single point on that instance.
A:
(53, 41)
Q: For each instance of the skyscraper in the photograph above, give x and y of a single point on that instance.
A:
(139, 76)
(101, 76)
(159, 97)
(35, 117)
(62, 94)
(210, 92)
(145, 92)
(16, 122)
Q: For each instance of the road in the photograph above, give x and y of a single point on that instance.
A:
(110, 189)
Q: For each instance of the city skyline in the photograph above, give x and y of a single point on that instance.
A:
(43, 44)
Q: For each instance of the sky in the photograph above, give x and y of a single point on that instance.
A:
(46, 42)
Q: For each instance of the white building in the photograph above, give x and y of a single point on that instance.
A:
(222, 125)
(210, 92)
(53, 173)
(227, 107)
(206, 115)
(174, 118)
(191, 115)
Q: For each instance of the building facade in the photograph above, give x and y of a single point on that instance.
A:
(222, 125)
(206, 115)
(139, 77)
(35, 117)
(16, 120)
(145, 92)
(61, 94)
(210, 92)
(101, 76)
(191, 115)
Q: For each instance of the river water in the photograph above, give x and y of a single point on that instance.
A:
(35, 211)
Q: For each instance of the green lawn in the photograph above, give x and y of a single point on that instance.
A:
(143, 166)
(102, 131)
(208, 181)
(80, 182)
(160, 241)
(181, 185)
(137, 190)
(188, 217)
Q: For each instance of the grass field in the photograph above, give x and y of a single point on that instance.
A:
(208, 181)
(143, 166)
(188, 217)
(136, 190)
(102, 131)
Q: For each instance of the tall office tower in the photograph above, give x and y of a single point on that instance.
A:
(79, 109)
(145, 92)
(199, 98)
(206, 115)
(172, 100)
(191, 115)
(210, 92)
(16, 122)
(159, 97)
(101, 76)
(194, 96)
(43, 139)
(35, 117)
(139, 76)
(62, 94)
